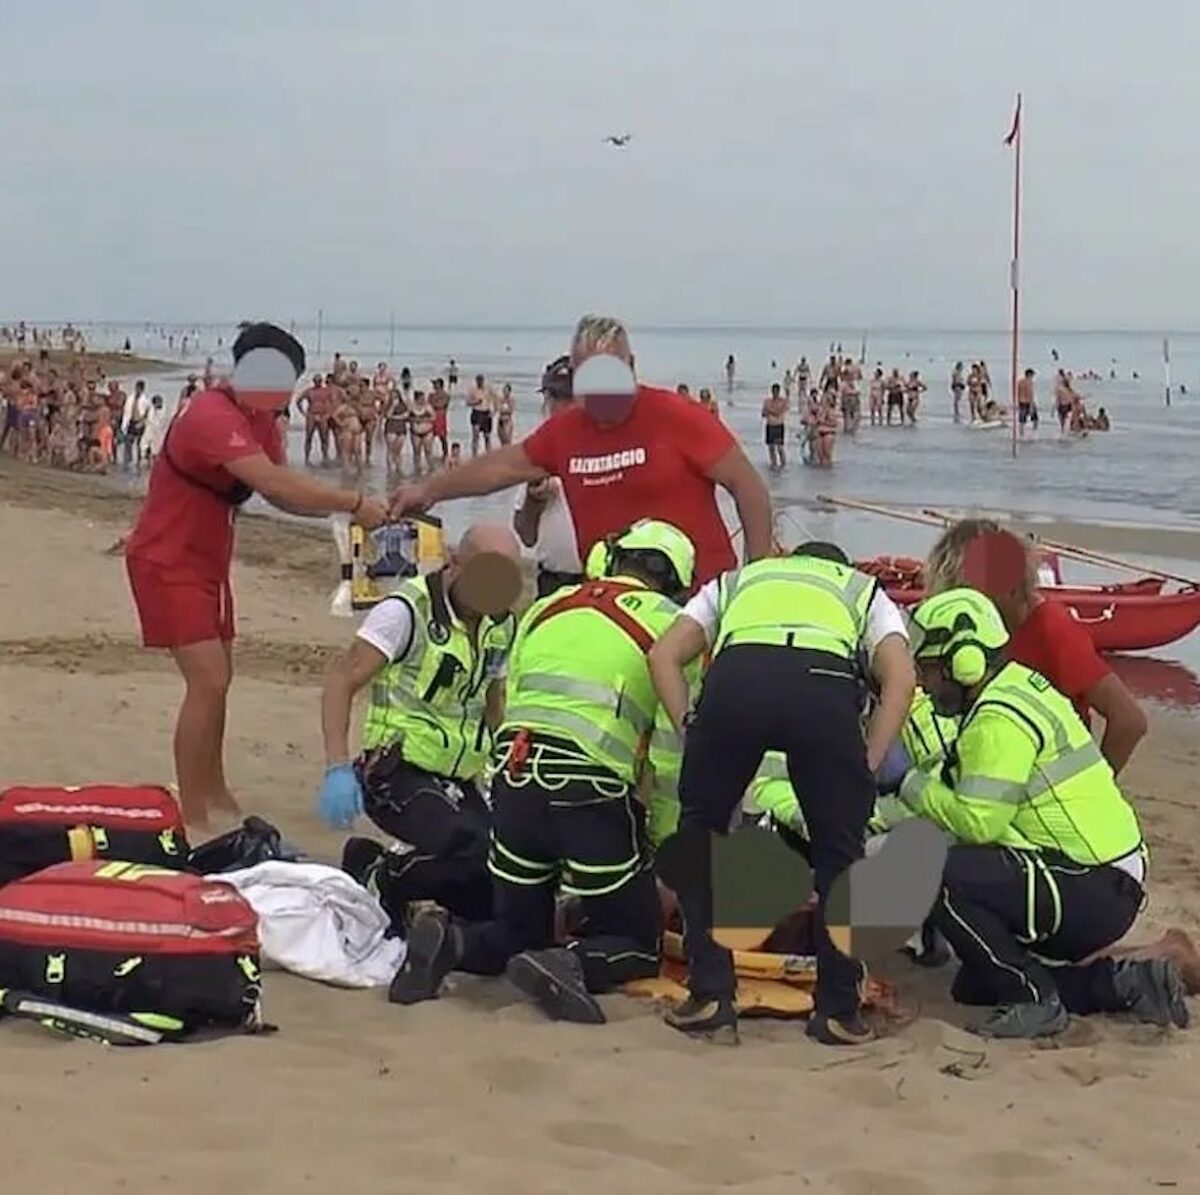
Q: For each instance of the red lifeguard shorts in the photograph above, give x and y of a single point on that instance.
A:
(176, 612)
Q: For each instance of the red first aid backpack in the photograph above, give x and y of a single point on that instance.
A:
(131, 823)
(165, 949)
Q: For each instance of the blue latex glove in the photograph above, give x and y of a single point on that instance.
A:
(891, 772)
(340, 800)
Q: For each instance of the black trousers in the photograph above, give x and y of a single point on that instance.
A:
(594, 847)
(549, 581)
(986, 909)
(447, 824)
(806, 704)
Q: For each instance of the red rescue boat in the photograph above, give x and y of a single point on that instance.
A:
(1127, 616)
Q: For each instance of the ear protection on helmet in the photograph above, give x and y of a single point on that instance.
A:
(967, 662)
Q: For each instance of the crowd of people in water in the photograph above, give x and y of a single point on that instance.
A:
(894, 397)
(70, 415)
(349, 416)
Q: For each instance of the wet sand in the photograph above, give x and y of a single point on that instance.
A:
(476, 1093)
(111, 363)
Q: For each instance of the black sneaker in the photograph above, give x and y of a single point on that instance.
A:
(715, 1018)
(1044, 1018)
(553, 980)
(1153, 991)
(433, 952)
(360, 857)
(839, 1031)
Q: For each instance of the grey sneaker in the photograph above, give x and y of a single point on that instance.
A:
(553, 980)
(433, 952)
(1043, 1019)
(1153, 991)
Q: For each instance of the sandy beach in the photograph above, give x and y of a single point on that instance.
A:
(476, 1093)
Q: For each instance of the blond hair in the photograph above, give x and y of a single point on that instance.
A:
(944, 566)
(596, 334)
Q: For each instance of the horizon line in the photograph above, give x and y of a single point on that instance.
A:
(843, 330)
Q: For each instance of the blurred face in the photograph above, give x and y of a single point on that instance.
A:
(947, 696)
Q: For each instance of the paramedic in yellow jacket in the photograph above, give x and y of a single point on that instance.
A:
(433, 663)
(1049, 862)
(571, 754)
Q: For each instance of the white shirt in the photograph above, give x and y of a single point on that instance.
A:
(134, 411)
(388, 628)
(883, 617)
(557, 548)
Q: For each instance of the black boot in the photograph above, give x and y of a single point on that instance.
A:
(1153, 991)
(715, 1018)
(553, 980)
(434, 949)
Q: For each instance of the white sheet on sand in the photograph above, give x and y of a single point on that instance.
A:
(318, 922)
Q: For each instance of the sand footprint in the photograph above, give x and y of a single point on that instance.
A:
(714, 1162)
(859, 1181)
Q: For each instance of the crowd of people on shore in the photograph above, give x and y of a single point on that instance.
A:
(73, 417)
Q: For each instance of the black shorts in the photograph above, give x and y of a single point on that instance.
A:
(482, 421)
(896, 400)
(447, 825)
(775, 433)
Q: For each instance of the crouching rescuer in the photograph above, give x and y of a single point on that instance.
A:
(1049, 865)
(571, 755)
(433, 657)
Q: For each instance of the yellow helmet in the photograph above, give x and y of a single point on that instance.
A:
(962, 627)
(651, 536)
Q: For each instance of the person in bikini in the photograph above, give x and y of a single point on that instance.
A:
(349, 429)
(395, 429)
(975, 393)
(827, 427)
(422, 423)
(505, 410)
(875, 397)
(913, 389)
(1064, 400)
(774, 414)
(368, 415)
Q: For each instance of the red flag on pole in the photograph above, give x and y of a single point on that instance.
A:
(1016, 125)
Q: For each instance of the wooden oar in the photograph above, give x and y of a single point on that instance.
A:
(1087, 556)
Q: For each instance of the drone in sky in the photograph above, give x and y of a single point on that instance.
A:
(620, 142)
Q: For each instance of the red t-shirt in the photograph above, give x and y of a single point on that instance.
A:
(653, 465)
(1051, 642)
(184, 527)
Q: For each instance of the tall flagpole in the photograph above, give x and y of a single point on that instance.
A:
(1014, 139)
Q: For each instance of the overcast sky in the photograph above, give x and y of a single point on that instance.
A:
(793, 163)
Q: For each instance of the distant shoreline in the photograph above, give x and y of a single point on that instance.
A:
(114, 363)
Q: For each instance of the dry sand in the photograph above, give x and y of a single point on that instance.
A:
(477, 1093)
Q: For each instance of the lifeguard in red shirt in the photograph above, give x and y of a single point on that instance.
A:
(623, 452)
(1044, 637)
(223, 445)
